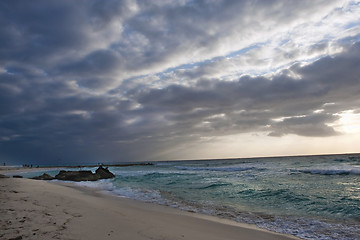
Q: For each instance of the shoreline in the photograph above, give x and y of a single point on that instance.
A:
(67, 211)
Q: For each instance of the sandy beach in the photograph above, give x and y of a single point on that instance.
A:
(31, 209)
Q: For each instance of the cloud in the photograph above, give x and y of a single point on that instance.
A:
(310, 126)
(250, 103)
(124, 80)
(98, 63)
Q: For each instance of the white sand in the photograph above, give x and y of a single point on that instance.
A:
(31, 209)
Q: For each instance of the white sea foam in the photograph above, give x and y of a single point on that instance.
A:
(351, 170)
(105, 185)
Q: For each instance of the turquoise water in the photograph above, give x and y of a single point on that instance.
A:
(315, 197)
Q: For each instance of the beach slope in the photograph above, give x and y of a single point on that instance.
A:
(31, 209)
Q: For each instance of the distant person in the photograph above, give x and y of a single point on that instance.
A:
(4, 164)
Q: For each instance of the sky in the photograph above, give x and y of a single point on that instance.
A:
(112, 81)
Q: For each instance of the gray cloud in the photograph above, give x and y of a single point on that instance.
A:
(98, 63)
(309, 126)
(55, 120)
(261, 99)
(123, 80)
(37, 31)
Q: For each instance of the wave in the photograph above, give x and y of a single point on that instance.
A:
(304, 228)
(215, 169)
(331, 171)
(151, 173)
(214, 185)
(104, 184)
(267, 194)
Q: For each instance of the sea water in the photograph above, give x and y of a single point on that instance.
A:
(311, 197)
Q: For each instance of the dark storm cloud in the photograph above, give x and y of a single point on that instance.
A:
(98, 63)
(66, 122)
(60, 32)
(34, 31)
(84, 81)
(100, 37)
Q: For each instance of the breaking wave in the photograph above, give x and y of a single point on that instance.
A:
(331, 171)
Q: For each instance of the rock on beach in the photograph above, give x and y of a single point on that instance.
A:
(78, 176)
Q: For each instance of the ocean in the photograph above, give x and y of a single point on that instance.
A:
(311, 197)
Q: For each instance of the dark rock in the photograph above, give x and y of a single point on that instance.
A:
(104, 173)
(3, 176)
(17, 176)
(43, 177)
(77, 176)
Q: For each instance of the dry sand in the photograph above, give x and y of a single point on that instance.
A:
(31, 209)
